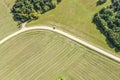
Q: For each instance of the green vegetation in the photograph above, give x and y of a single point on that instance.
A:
(45, 55)
(75, 17)
(28, 10)
(99, 2)
(59, 79)
(7, 24)
(108, 20)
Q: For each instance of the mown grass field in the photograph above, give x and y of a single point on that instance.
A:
(45, 55)
(7, 24)
(75, 17)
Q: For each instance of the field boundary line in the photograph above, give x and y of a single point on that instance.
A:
(100, 51)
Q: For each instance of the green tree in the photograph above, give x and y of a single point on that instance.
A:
(28, 10)
(99, 2)
(108, 21)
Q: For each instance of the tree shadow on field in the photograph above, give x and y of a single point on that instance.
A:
(98, 3)
(58, 1)
(117, 50)
(98, 27)
(109, 43)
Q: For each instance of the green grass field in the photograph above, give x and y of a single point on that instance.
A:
(7, 24)
(75, 17)
(45, 55)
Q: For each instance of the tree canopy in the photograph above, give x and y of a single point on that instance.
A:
(108, 21)
(28, 10)
(99, 2)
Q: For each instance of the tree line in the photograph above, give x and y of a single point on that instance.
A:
(108, 21)
(28, 10)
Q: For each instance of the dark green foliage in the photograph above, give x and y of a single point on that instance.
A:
(28, 10)
(58, 1)
(108, 21)
(99, 2)
(23, 11)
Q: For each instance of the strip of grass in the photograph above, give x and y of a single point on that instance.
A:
(75, 16)
(45, 55)
(7, 24)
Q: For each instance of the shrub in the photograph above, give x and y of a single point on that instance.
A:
(99, 2)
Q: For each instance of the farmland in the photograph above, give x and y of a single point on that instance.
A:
(45, 55)
(75, 17)
(7, 24)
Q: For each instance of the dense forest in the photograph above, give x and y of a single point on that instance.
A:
(108, 21)
(28, 10)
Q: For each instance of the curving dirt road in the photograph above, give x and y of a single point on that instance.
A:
(115, 58)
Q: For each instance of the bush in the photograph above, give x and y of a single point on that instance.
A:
(99, 2)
